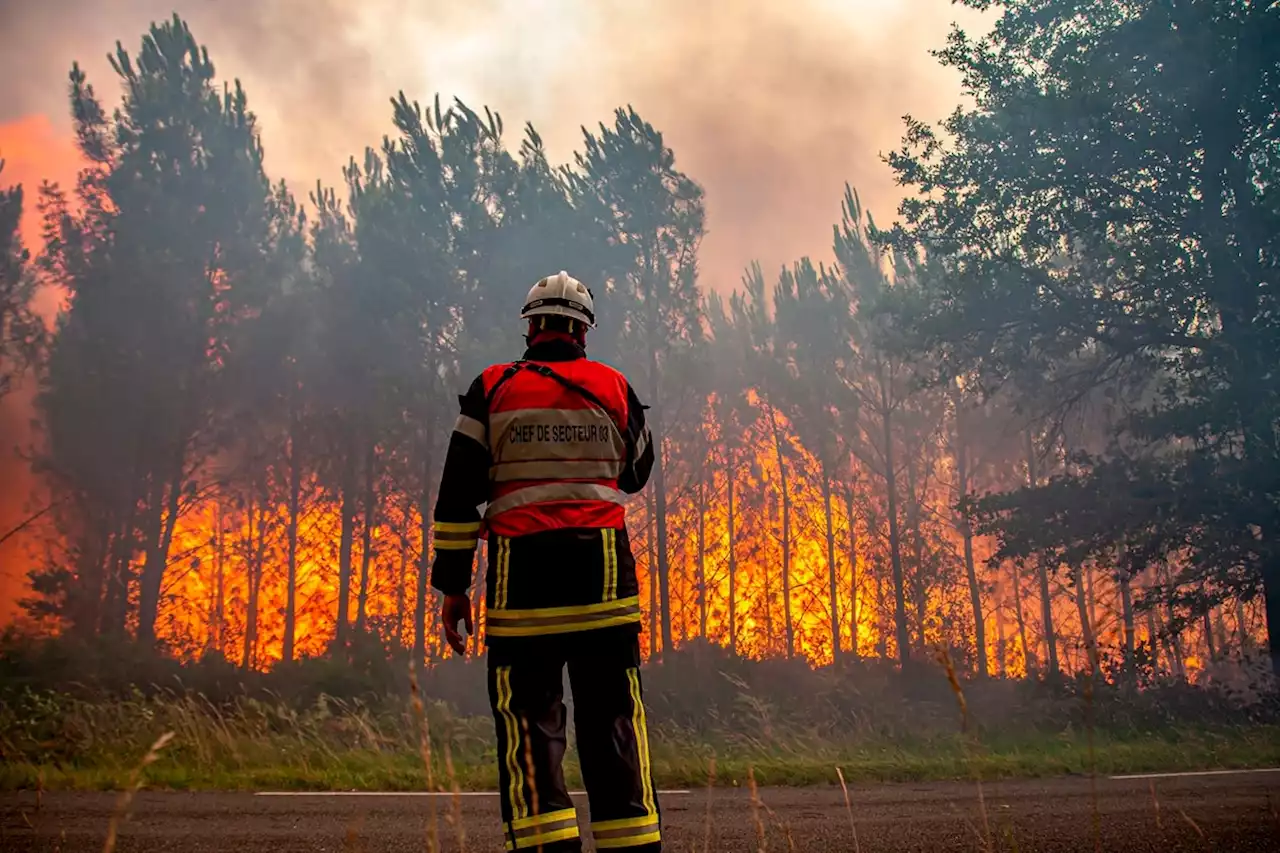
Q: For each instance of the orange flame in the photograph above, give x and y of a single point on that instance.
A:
(207, 587)
(221, 547)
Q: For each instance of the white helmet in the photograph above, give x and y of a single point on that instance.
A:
(561, 295)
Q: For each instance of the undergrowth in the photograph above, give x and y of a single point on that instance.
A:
(788, 724)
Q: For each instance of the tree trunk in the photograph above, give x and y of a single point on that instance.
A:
(1242, 629)
(152, 520)
(919, 598)
(1222, 639)
(424, 558)
(1046, 620)
(345, 543)
(660, 500)
(402, 573)
(160, 527)
(702, 554)
(220, 583)
(1082, 610)
(651, 552)
(1042, 574)
(1173, 637)
(1175, 647)
(730, 475)
(766, 583)
(966, 535)
(882, 644)
(788, 626)
(1002, 641)
(291, 566)
(1153, 640)
(660, 547)
(1271, 600)
(211, 612)
(1207, 627)
(854, 592)
(366, 539)
(1093, 599)
(895, 547)
(1126, 609)
(831, 569)
(402, 567)
(1030, 663)
(252, 577)
(115, 607)
(85, 607)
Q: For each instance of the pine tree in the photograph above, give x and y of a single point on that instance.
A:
(1108, 218)
(650, 216)
(161, 265)
(21, 331)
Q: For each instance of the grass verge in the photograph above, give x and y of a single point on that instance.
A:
(228, 758)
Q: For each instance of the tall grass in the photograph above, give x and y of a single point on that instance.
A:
(787, 723)
(335, 744)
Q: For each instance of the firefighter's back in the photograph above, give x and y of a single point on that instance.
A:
(559, 556)
(551, 445)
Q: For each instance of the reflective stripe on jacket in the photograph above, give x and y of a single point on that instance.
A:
(553, 442)
(555, 452)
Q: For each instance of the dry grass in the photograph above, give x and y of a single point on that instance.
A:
(135, 783)
(853, 827)
(711, 786)
(761, 843)
(972, 744)
(424, 749)
(58, 743)
(61, 742)
(856, 725)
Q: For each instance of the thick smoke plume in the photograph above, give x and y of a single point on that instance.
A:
(771, 106)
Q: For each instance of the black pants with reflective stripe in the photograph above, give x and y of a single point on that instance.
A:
(526, 692)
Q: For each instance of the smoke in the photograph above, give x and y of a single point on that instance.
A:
(771, 106)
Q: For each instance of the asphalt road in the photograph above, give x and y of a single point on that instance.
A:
(1221, 812)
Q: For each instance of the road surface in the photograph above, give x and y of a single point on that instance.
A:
(1222, 812)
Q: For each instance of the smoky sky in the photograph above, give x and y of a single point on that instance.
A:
(772, 106)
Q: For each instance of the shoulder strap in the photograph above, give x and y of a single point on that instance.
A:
(542, 370)
(512, 370)
(586, 394)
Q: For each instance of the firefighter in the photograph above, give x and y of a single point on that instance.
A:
(552, 443)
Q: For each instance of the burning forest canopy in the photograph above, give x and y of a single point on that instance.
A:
(1033, 424)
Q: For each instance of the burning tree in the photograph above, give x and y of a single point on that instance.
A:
(245, 403)
(21, 332)
(164, 260)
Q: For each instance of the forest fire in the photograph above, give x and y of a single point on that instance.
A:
(229, 559)
(985, 484)
(812, 473)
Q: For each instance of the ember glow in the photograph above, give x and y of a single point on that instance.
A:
(763, 555)
(222, 548)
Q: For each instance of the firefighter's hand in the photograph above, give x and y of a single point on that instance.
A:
(453, 609)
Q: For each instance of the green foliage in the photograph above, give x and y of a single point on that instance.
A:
(872, 721)
(1082, 300)
(1106, 212)
(164, 260)
(652, 218)
(21, 332)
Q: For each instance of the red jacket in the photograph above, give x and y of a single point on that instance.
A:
(553, 441)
